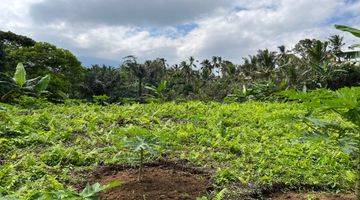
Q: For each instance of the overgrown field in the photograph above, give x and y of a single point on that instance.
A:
(46, 147)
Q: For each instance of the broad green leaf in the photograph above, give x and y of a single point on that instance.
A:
(150, 88)
(32, 82)
(354, 31)
(20, 75)
(42, 84)
(162, 86)
(92, 191)
(112, 184)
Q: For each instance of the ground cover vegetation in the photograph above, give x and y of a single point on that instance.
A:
(280, 120)
(253, 143)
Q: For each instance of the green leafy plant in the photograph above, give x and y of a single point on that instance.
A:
(258, 91)
(346, 103)
(159, 90)
(142, 147)
(252, 143)
(20, 75)
(221, 194)
(101, 99)
(218, 196)
(91, 192)
(18, 85)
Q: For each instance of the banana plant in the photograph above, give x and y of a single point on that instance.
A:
(18, 85)
(159, 90)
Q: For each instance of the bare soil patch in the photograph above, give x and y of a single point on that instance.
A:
(177, 180)
(162, 180)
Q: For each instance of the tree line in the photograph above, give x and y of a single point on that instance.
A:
(311, 64)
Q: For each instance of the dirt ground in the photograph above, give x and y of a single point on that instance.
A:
(177, 181)
(156, 183)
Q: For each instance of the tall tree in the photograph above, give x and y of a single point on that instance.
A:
(12, 39)
(101, 80)
(318, 53)
(138, 70)
(206, 70)
(156, 70)
(266, 62)
(43, 58)
(336, 43)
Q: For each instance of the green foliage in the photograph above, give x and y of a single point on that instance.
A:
(258, 91)
(221, 194)
(15, 40)
(91, 192)
(345, 101)
(18, 85)
(142, 147)
(309, 139)
(312, 64)
(42, 58)
(28, 102)
(42, 84)
(301, 141)
(159, 90)
(20, 75)
(101, 99)
(101, 80)
(354, 31)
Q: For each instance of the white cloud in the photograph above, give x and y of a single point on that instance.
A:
(232, 30)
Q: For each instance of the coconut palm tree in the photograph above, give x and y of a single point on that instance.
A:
(206, 70)
(336, 43)
(266, 62)
(138, 70)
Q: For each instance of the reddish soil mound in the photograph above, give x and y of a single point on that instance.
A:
(156, 183)
(312, 195)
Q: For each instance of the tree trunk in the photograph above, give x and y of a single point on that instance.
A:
(140, 88)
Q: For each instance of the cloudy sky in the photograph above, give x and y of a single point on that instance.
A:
(104, 31)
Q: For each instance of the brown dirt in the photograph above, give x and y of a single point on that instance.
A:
(180, 181)
(156, 183)
(311, 196)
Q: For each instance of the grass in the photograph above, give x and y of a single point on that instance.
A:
(252, 143)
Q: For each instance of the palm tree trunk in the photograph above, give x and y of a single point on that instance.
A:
(140, 88)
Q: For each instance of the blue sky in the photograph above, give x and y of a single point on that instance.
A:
(105, 31)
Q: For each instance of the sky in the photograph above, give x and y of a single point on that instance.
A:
(105, 31)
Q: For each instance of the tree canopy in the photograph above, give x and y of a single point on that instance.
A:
(311, 64)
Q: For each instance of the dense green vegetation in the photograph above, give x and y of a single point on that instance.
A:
(310, 64)
(254, 143)
(289, 118)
